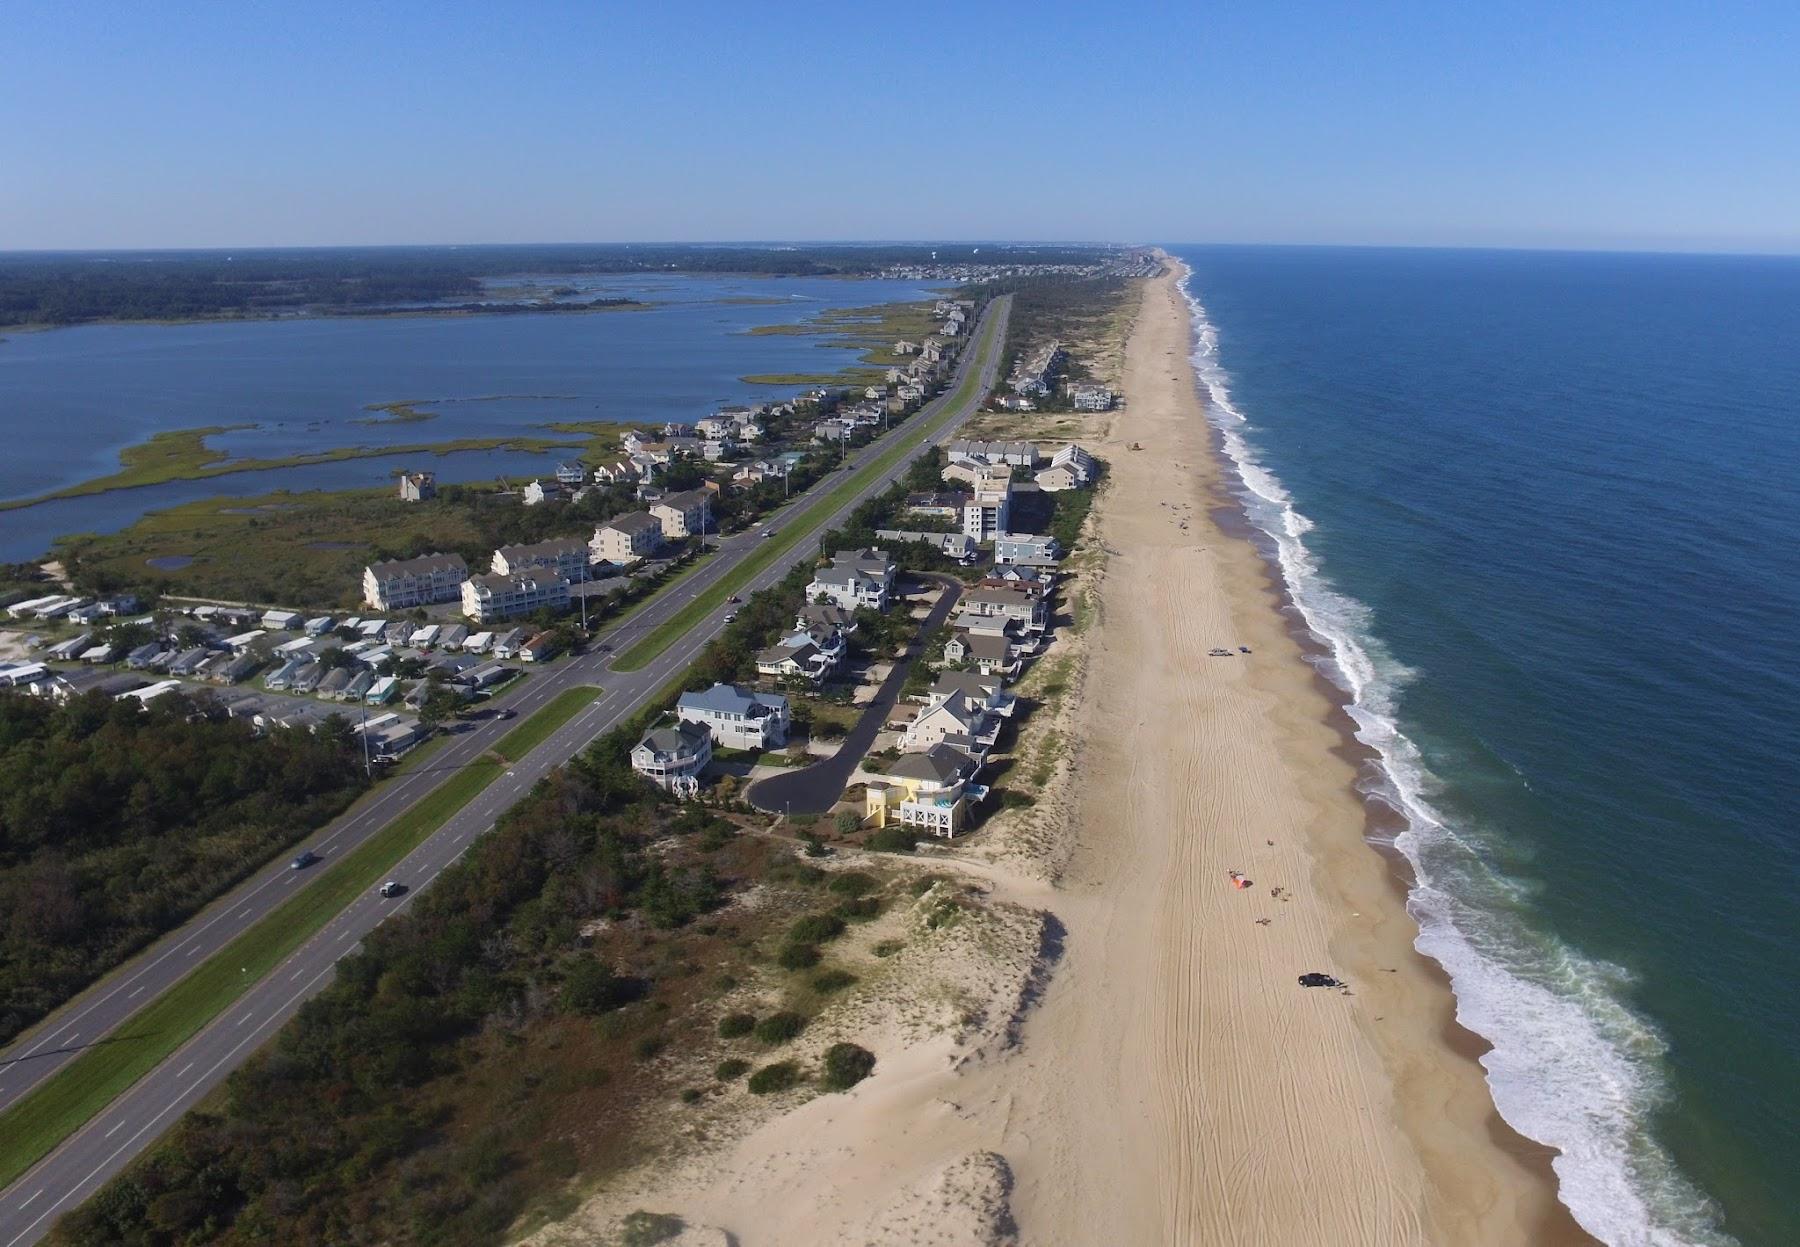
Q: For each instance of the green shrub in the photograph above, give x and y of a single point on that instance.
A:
(924, 884)
(816, 929)
(815, 847)
(847, 1064)
(798, 956)
(730, 1069)
(734, 1024)
(846, 822)
(861, 909)
(893, 840)
(852, 883)
(827, 981)
(771, 1078)
(887, 948)
(691, 1095)
(780, 1027)
(647, 1229)
(649, 1046)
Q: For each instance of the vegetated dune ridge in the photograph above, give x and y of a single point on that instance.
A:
(1151, 1072)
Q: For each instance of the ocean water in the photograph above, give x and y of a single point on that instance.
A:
(1544, 512)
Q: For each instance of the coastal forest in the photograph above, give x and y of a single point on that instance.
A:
(119, 823)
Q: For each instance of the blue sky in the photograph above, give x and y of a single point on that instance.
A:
(1656, 126)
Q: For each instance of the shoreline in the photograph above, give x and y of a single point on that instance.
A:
(1401, 1098)
(1557, 1224)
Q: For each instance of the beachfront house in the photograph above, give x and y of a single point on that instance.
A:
(930, 790)
(1026, 550)
(737, 717)
(673, 757)
(987, 652)
(988, 510)
(401, 583)
(418, 486)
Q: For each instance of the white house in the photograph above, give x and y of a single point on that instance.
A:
(854, 579)
(542, 491)
(737, 717)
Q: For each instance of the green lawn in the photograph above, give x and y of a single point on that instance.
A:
(35, 1125)
(799, 526)
(545, 720)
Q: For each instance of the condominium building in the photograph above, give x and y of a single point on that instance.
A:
(401, 583)
(499, 596)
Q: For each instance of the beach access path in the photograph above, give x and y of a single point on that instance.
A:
(110, 1139)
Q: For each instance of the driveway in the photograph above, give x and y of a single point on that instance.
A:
(815, 789)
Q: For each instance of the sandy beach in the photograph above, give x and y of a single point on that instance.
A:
(1134, 1061)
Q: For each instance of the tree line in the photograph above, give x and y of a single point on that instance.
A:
(119, 823)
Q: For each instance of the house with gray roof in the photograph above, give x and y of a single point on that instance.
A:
(854, 579)
(737, 717)
(673, 757)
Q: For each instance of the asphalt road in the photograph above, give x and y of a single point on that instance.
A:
(816, 788)
(107, 1143)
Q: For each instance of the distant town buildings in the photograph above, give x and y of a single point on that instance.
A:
(418, 486)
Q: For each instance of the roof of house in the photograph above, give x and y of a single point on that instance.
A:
(940, 764)
(686, 500)
(632, 522)
(543, 549)
(987, 645)
(732, 699)
(420, 566)
(826, 615)
(679, 738)
(969, 683)
(800, 654)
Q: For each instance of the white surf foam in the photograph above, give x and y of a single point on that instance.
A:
(1572, 1067)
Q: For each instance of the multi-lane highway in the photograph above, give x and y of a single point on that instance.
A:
(108, 1141)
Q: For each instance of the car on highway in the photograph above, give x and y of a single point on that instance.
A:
(307, 858)
(733, 600)
(730, 615)
(392, 888)
(506, 714)
(767, 532)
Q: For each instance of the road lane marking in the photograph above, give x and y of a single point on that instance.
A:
(34, 1195)
(136, 990)
(110, 1133)
(184, 1069)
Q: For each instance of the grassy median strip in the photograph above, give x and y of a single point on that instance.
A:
(799, 526)
(545, 720)
(36, 1124)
